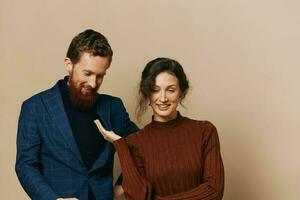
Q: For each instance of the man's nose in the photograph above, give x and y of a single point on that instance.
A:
(93, 82)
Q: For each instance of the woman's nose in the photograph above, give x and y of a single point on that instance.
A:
(163, 97)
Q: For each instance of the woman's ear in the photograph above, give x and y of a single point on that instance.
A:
(182, 96)
(68, 65)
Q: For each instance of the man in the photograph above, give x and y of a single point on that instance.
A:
(60, 153)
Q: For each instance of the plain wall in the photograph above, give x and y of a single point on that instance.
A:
(242, 59)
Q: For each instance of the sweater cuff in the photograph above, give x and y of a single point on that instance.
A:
(119, 142)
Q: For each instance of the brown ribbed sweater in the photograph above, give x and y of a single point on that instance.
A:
(179, 159)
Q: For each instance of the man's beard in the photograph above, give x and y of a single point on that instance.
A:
(83, 102)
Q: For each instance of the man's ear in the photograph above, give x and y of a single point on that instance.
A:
(68, 65)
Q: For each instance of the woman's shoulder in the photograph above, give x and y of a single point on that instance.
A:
(142, 136)
(135, 137)
(202, 128)
(199, 123)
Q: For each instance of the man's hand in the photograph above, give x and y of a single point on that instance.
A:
(108, 135)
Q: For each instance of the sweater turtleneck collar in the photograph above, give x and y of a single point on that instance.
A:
(169, 124)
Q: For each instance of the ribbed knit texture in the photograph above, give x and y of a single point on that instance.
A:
(179, 159)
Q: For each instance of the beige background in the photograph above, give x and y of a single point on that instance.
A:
(242, 59)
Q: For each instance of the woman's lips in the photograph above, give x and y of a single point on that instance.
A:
(163, 107)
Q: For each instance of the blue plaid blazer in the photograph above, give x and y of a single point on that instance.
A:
(49, 164)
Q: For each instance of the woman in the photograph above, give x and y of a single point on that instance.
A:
(173, 157)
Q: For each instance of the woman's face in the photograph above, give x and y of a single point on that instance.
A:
(165, 97)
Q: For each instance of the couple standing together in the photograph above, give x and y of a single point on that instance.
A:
(67, 136)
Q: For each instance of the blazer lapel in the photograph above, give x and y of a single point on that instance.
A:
(103, 109)
(55, 106)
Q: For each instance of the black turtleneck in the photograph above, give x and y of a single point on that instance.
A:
(90, 142)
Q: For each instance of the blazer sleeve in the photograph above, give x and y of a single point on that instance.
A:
(128, 127)
(28, 164)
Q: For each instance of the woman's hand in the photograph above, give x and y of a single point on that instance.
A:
(118, 192)
(108, 135)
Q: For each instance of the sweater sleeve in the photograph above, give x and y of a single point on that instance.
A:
(135, 185)
(212, 185)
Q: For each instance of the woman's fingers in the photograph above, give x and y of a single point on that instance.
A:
(99, 126)
(101, 129)
(108, 135)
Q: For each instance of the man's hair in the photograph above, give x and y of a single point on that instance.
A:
(89, 41)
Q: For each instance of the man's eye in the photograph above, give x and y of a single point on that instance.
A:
(100, 76)
(87, 73)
